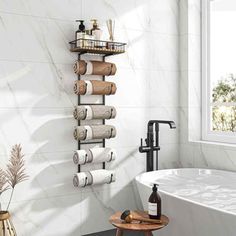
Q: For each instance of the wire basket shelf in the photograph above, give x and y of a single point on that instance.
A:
(97, 46)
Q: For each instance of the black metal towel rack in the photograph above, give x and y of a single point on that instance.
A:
(103, 142)
(104, 49)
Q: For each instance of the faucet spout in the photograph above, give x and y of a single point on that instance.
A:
(169, 122)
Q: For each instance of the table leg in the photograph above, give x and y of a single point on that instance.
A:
(119, 232)
(148, 233)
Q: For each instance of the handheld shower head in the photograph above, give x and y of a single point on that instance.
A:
(128, 217)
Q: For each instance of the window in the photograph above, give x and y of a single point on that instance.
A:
(219, 70)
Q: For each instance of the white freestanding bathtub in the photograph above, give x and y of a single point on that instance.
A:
(198, 202)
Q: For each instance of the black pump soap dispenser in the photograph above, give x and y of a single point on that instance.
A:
(154, 204)
(80, 33)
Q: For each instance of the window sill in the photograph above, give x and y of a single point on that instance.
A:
(216, 144)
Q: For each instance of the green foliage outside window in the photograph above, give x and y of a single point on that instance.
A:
(224, 117)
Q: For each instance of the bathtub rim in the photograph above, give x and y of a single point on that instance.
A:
(182, 198)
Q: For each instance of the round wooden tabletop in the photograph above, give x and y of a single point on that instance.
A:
(137, 225)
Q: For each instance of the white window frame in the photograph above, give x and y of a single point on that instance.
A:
(207, 134)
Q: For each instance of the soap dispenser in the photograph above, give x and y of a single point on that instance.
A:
(80, 34)
(154, 204)
(96, 31)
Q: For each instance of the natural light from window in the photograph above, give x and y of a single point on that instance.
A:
(223, 65)
(220, 68)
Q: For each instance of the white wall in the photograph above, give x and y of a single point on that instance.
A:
(36, 104)
(194, 152)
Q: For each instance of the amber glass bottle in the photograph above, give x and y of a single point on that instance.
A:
(154, 204)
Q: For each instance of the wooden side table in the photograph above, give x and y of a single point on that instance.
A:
(144, 227)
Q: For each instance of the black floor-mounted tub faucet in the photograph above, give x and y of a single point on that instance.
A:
(150, 147)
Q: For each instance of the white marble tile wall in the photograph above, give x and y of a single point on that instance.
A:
(194, 152)
(36, 103)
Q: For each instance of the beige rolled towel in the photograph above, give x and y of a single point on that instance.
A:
(94, 87)
(94, 112)
(82, 67)
(88, 132)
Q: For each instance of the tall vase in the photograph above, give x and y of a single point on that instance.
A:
(6, 226)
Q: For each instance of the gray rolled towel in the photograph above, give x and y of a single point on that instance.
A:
(94, 112)
(88, 132)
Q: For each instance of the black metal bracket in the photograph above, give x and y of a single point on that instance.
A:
(86, 180)
(111, 179)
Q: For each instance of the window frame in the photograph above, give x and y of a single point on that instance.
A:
(207, 134)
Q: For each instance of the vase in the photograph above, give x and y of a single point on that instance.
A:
(6, 226)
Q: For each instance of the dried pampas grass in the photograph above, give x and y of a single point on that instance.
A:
(3, 181)
(16, 167)
(15, 172)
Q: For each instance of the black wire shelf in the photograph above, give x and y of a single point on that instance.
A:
(93, 46)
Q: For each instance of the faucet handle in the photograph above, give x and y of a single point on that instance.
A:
(143, 148)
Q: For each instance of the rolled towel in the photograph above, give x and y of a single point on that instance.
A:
(94, 132)
(94, 177)
(82, 67)
(94, 112)
(82, 179)
(94, 87)
(103, 155)
(82, 157)
(94, 155)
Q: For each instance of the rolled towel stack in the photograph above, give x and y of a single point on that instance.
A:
(88, 132)
(94, 87)
(94, 112)
(94, 177)
(82, 67)
(94, 155)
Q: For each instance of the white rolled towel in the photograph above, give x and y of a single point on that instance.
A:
(94, 177)
(103, 154)
(94, 155)
(82, 179)
(81, 157)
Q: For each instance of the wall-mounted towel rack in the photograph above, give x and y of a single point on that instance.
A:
(104, 49)
(103, 142)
